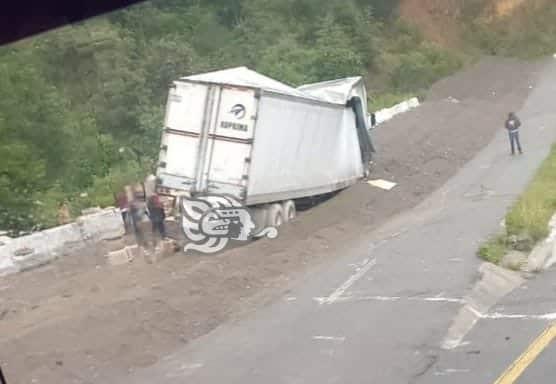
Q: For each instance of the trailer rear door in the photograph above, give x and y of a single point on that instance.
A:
(206, 146)
(228, 153)
(185, 111)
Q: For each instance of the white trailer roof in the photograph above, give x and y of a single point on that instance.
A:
(243, 76)
(336, 91)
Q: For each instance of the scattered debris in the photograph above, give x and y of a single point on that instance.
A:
(514, 260)
(522, 242)
(121, 256)
(383, 184)
(164, 249)
(452, 100)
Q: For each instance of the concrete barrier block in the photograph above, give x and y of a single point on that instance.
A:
(41, 247)
(7, 266)
(4, 240)
(33, 250)
(539, 256)
(388, 113)
(63, 234)
(413, 102)
(104, 225)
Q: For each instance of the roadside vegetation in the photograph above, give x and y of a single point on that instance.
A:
(529, 32)
(526, 223)
(81, 107)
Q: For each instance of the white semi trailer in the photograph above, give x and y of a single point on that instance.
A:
(239, 133)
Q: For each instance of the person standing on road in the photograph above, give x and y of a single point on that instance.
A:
(512, 125)
(157, 215)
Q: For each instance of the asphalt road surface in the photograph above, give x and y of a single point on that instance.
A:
(380, 312)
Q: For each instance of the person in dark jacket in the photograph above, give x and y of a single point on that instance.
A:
(157, 215)
(512, 126)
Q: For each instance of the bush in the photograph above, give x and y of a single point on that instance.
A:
(421, 68)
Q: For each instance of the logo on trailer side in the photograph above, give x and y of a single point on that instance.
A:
(211, 221)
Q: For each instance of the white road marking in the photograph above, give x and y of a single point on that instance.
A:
(439, 299)
(359, 273)
(291, 298)
(498, 316)
(368, 298)
(184, 370)
(348, 299)
(339, 339)
(457, 341)
(450, 371)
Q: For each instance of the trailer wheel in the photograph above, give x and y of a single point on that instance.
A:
(275, 215)
(288, 207)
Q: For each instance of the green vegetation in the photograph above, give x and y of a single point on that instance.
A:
(81, 107)
(494, 249)
(385, 100)
(529, 33)
(535, 207)
(527, 220)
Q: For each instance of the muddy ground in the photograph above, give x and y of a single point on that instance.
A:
(80, 320)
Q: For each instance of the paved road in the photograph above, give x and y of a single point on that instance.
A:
(495, 344)
(380, 312)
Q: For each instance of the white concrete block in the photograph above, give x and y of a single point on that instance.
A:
(413, 102)
(388, 113)
(104, 225)
(7, 266)
(539, 256)
(41, 247)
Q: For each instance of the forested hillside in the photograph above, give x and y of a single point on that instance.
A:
(81, 107)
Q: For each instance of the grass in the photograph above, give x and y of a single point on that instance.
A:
(494, 249)
(533, 210)
(529, 216)
(387, 100)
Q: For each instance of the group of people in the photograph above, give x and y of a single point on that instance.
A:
(134, 210)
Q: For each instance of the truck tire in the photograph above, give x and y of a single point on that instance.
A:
(288, 207)
(274, 215)
(259, 215)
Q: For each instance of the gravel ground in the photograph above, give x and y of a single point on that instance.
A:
(80, 320)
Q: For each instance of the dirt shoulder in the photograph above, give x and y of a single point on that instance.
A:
(81, 320)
